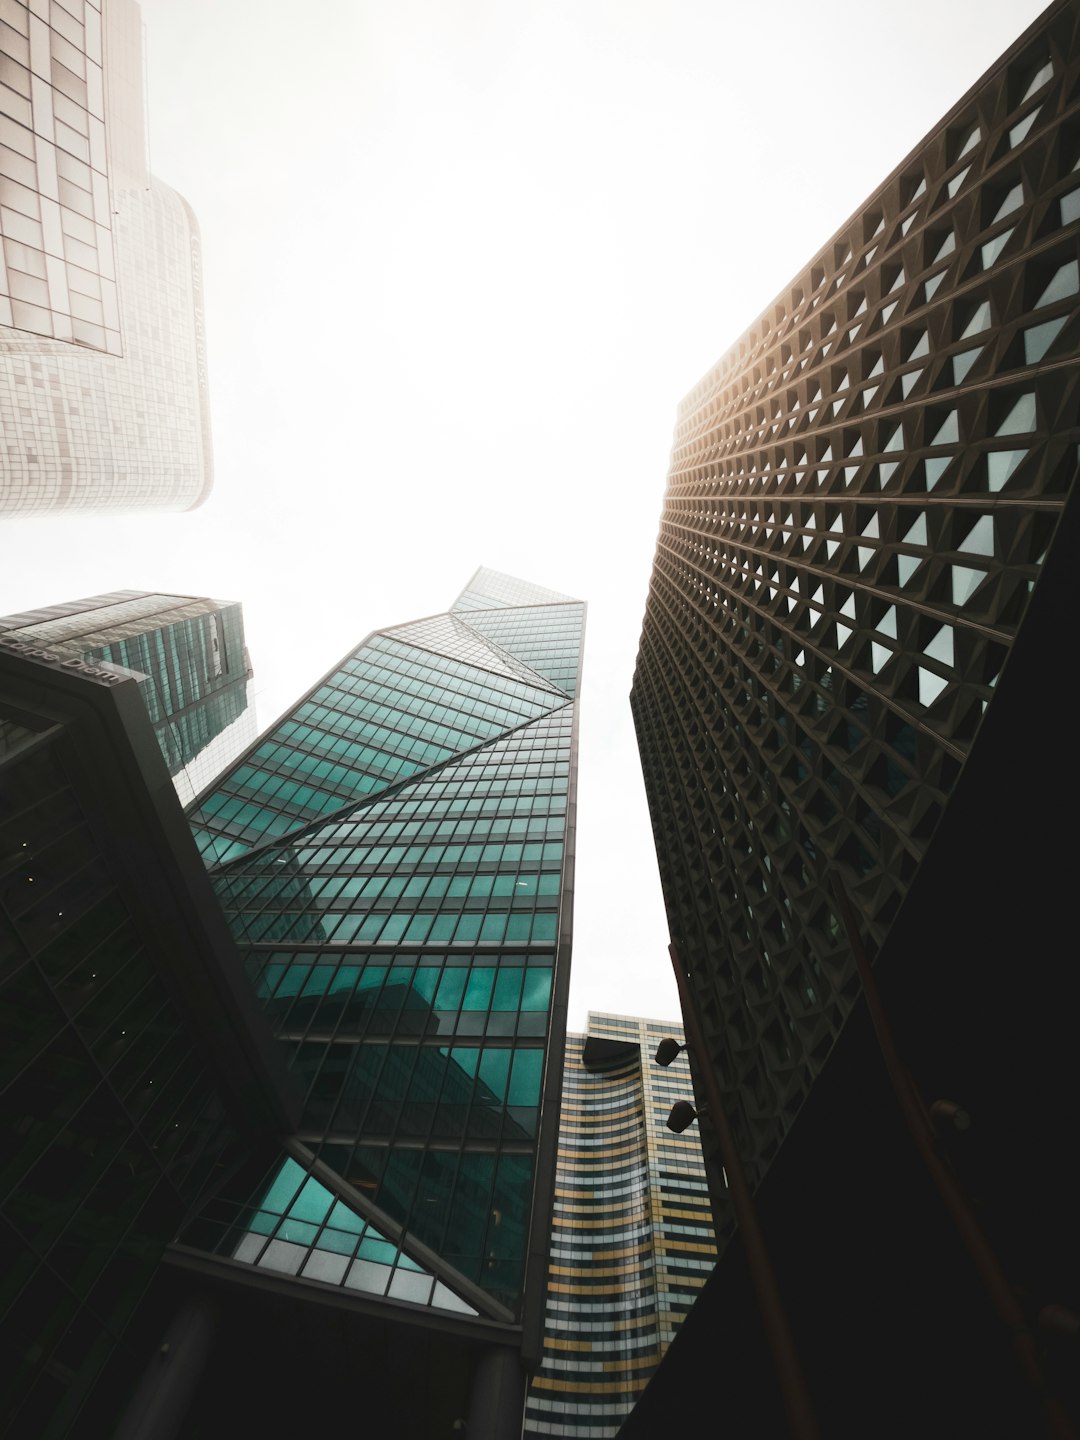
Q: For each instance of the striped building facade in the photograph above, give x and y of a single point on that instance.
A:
(632, 1238)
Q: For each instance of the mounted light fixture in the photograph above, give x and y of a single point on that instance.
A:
(946, 1114)
(668, 1051)
(681, 1116)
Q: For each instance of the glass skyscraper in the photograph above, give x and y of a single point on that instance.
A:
(188, 654)
(103, 389)
(394, 861)
(631, 1231)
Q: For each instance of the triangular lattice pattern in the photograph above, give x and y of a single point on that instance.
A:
(862, 493)
(294, 1225)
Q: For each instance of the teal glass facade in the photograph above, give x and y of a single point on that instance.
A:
(189, 655)
(395, 861)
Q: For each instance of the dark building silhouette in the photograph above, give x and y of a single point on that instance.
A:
(851, 667)
(366, 1023)
(129, 1064)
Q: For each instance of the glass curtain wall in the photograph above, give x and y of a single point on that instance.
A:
(394, 859)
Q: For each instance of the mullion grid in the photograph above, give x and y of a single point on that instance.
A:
(393, 1089)
(385, 740)
(466, 644)
(459, 676)
(290, 1221)
(551, 646)
(310, 994)
(460, 1102)
(529, 836)
(535, 757)
(507, 592)
(524, 743)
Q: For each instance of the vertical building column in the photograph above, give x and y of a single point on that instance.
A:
(497, 1398)
(159, 1405)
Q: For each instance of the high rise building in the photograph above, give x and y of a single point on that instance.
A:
(103, 390)
(187, 652)
(850, 617)
(631, 1229)
(131, 1067)
(394, 861)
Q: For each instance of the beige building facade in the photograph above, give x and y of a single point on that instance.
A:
(103, 388)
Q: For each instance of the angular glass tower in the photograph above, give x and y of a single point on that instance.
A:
(395, 860)
(188, 654)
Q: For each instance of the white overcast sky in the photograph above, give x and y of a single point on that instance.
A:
(462, 259)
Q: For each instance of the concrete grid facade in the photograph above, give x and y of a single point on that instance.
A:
(863, 494)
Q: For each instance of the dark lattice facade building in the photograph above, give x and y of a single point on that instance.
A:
(861, 565)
